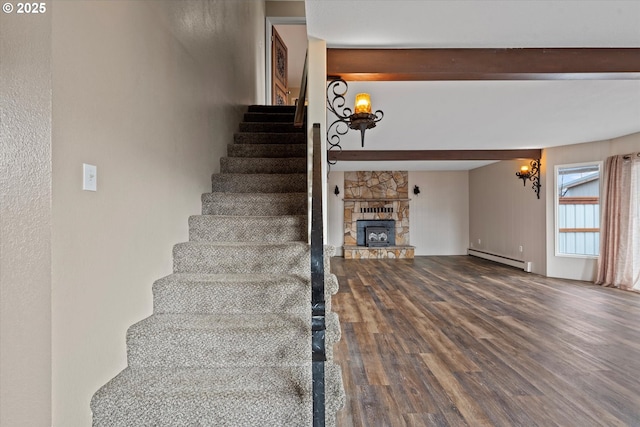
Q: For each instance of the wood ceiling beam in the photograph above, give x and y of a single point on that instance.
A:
(484, 64)
(389, 155)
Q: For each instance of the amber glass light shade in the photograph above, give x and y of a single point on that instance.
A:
(524, 169)
(363, 103)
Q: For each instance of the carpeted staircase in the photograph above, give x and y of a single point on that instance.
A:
(229, 340)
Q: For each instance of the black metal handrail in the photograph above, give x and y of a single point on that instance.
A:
(318, 326)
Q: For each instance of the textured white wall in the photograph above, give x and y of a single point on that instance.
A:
(572, 267)
(505, 215)
(440, 213)
(335, 211)
(25, 220)
(151, 93)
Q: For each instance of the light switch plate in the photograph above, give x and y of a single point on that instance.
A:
(89, 177)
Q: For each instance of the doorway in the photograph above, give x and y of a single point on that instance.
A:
(283, 76)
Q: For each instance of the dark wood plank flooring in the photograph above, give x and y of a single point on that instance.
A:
(459, 341)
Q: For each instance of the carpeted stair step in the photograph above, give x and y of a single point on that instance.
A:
(271, 229)
(192, 293)
(223, 397)
(270, 127)
(247, 204)
(265, 165)
(331, 284)
(333, 331)
(258, 183)
(235, 293)
(218, 340)
(267, 150)
(241, 258)
(270, 138)
(270, 117)
(231, 293)
(284, 109)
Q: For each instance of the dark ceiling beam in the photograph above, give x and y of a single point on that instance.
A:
(389, 155)
(484, 64)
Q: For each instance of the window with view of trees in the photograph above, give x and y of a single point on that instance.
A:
(578, 209)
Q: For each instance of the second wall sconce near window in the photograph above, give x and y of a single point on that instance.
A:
(336, 191)
(416, 190)
(531, 173)
(360, 118)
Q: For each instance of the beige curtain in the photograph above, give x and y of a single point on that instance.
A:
(619, 261)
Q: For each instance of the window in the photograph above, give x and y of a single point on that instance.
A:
(577, 209)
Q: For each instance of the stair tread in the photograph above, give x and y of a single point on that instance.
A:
(265, 217)
(250, 203)
(258, 182)
(263, 165)
(217, 340)
(251, 379)
(271, 117)
(290, 138)
(250, 228)
(241, 257)
(280, 245)
(225, 322)
(275, 108)
(233, 278)
(281, 127)
(262, 175)
(224, 397)
(280, 151)
(228, 293)
(257, 197)
(234, 323)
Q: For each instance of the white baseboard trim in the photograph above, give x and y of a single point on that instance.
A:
(524, 265)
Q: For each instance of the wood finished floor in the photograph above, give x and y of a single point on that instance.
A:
(459, 341)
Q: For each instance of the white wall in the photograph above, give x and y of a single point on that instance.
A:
(25, 220)
(335, 211)
(151, 93)
(504, 214)
(316, 113)
(572, 267)
(439, 216)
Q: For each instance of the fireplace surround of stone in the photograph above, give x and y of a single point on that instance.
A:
(376, 196)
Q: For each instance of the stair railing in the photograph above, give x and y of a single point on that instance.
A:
(318, 326)
(298, 120)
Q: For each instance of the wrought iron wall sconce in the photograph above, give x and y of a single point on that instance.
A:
(336, 191)
(531, 173)
(416, 190)
(362, 119)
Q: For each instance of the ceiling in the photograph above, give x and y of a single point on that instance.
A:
(450, 115)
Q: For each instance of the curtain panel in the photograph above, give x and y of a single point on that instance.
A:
(619, 261)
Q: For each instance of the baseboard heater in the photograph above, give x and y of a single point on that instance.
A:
(525, 265)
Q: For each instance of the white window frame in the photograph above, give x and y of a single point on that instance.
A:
(556, 206)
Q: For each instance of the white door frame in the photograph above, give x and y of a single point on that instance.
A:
(270, 22)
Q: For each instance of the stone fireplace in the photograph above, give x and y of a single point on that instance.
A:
(376, 215)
